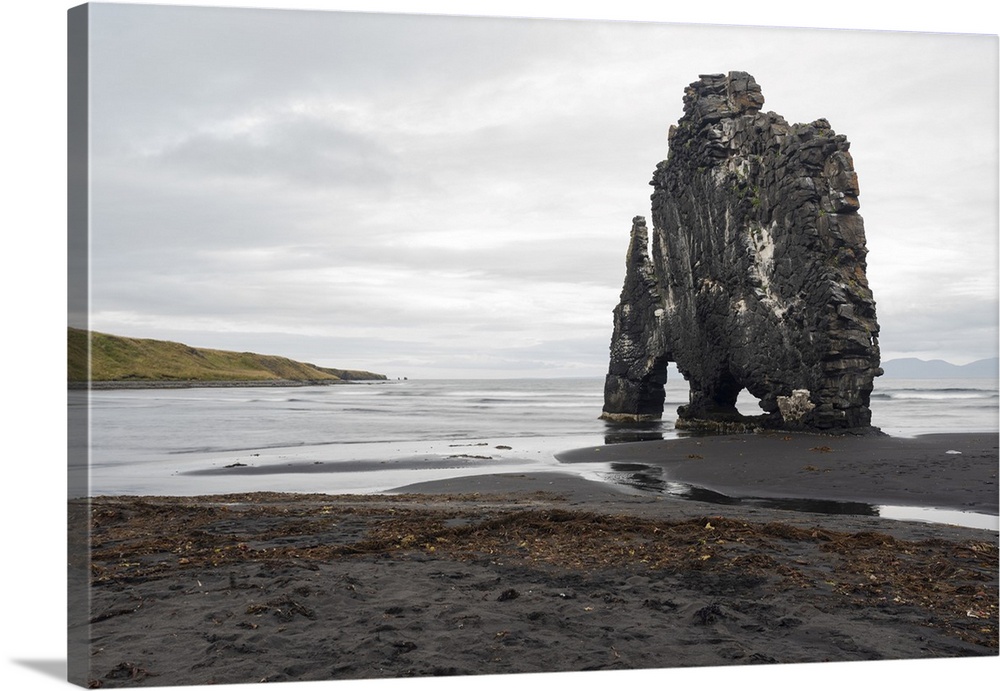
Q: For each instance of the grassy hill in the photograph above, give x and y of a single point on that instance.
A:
(138, 360)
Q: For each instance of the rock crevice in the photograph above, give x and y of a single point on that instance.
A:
(755, 275)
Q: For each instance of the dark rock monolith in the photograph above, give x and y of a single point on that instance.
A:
(756, 275)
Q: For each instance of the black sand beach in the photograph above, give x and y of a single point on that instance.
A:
(945, 471)
(498, 574)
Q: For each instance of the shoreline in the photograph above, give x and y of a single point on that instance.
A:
(803, 472)
(527, 572)
(213, 384)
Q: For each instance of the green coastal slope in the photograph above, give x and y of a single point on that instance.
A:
(144, 360)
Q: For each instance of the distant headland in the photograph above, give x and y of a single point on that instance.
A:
(122, 362)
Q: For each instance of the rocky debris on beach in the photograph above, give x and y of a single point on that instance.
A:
(756, 276)
(271, 587)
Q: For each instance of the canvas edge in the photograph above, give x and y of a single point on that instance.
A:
(77, 301)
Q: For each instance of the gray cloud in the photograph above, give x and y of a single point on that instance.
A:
(295, 151)
(458, 192)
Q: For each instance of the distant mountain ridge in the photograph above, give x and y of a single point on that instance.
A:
(118, 360)
(915, 368)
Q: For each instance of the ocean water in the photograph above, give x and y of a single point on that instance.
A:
(368, 437)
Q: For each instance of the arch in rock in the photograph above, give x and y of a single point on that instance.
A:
(755, 274)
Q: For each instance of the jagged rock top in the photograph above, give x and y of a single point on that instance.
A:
(717, 96)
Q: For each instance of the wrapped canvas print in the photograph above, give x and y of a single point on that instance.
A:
(413, 345)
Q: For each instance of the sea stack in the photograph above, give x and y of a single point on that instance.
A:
(754, 277)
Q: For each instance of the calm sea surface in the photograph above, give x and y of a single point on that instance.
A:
(372, 437)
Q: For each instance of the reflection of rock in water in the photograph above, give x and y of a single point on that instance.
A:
(649, 478)
(754, 277)
(638, 476)
(629, 432)
(708, 496)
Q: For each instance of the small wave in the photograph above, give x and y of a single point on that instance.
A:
(527, 404)
(935, 396)
(497, 393)
(369, 411)
(231, 449)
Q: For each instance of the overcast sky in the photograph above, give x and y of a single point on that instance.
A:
(427, 196)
